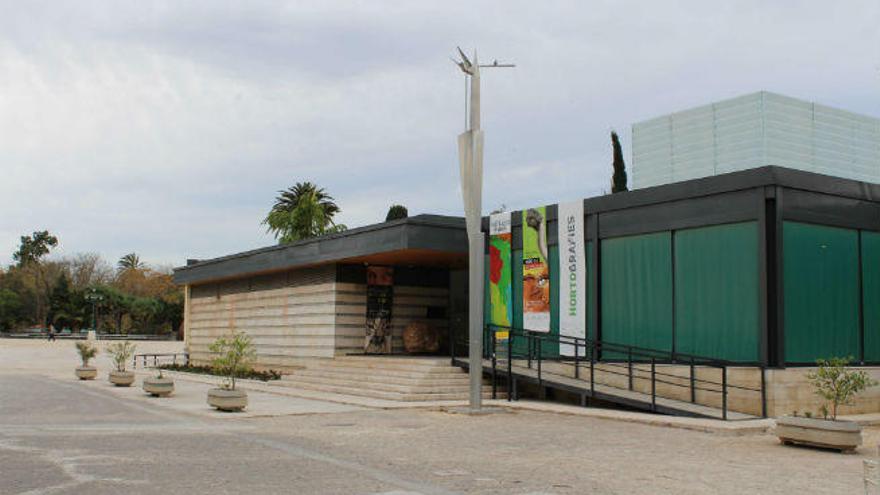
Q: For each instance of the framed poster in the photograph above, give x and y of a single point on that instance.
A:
(380, 299)
(536, 270)
(500, 273)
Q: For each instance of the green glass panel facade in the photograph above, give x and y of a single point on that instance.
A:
(871, 294)
(591, 306)
(716, 292)
(637, 290)
(552, 349)
(821, 292)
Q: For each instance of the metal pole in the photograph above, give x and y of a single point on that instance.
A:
(509, 364)
(629, 364)
(653, 385)
(592, 370)
(693, 392)
(475, 312)
(577, 370)
(724, 393)
(763, 395)
(494, 365)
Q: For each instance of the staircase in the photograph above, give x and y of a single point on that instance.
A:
(406, 379)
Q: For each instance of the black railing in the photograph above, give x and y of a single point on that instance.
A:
(616, 359)
(160, 359)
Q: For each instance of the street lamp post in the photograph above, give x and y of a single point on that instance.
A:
(94, 297)
(470, 153)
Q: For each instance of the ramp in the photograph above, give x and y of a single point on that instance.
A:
(650, 380)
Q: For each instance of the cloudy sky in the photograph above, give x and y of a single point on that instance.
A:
(166, 128)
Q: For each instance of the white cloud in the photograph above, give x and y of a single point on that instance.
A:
(166, 128)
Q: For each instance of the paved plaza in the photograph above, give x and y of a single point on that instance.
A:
(62, 436)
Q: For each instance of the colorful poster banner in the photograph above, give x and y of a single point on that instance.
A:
(380, 299)
(500, 273)
(572, 275)
(536, 270)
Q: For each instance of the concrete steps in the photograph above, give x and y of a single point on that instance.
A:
(388, 378)
(399, 377)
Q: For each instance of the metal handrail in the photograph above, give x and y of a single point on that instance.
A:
(156, 356)
(596, 347)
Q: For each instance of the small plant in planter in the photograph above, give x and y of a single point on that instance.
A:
(836, 385)
(87, 351)
(121, 352)
(159, 385)
(234, 357)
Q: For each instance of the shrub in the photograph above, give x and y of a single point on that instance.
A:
(86, 351)
(121, 352)
(207, 370)
(236, 353)
(836, 384)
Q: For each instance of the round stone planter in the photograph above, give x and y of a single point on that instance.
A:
(122, 378)
(227, 400)
(844, 436)
(158, 387)
(86, 372)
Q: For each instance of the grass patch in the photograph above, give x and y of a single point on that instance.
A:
(207, 370)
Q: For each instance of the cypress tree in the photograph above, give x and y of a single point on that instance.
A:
(618, 180)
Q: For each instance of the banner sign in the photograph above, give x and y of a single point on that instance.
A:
(500, 273)
(572, 275)
(380, 298)
(536, 271)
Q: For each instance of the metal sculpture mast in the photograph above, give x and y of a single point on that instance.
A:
(470, 153)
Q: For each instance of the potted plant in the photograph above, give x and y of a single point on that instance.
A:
(121, 352)
(159, 385)
(86, 351)
(234, 357)
(837, 386)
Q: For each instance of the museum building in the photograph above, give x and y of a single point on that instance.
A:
(734, 249)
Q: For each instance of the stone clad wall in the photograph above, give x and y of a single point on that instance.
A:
(789, 391)
(289, 315)
(301, 314)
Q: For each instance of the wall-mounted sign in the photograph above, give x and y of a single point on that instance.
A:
(536, 271)
(380, 298)
(500, 273)
(572, 275)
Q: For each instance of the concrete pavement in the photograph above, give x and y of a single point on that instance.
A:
(62, 436)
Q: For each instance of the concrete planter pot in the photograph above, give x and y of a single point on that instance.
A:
(227, 400)
(844, 436)
(86, 372)
(158, 387)
(122, 378)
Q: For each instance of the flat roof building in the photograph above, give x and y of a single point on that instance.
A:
(729, 260)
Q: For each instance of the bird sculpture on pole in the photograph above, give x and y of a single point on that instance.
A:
(470, 153)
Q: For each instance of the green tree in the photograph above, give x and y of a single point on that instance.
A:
(10, 309)
(302, 211)
(234, 356)
(115, 305)
(396, 212)
(618, 180)
(68, 307)
(145, 314)
(34, 247)
(36, 275)
(130, 261)
(836, 384)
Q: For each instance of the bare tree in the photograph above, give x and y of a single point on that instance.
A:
(87, 269)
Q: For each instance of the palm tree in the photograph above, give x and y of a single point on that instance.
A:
(302, 211)
(130, 261)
